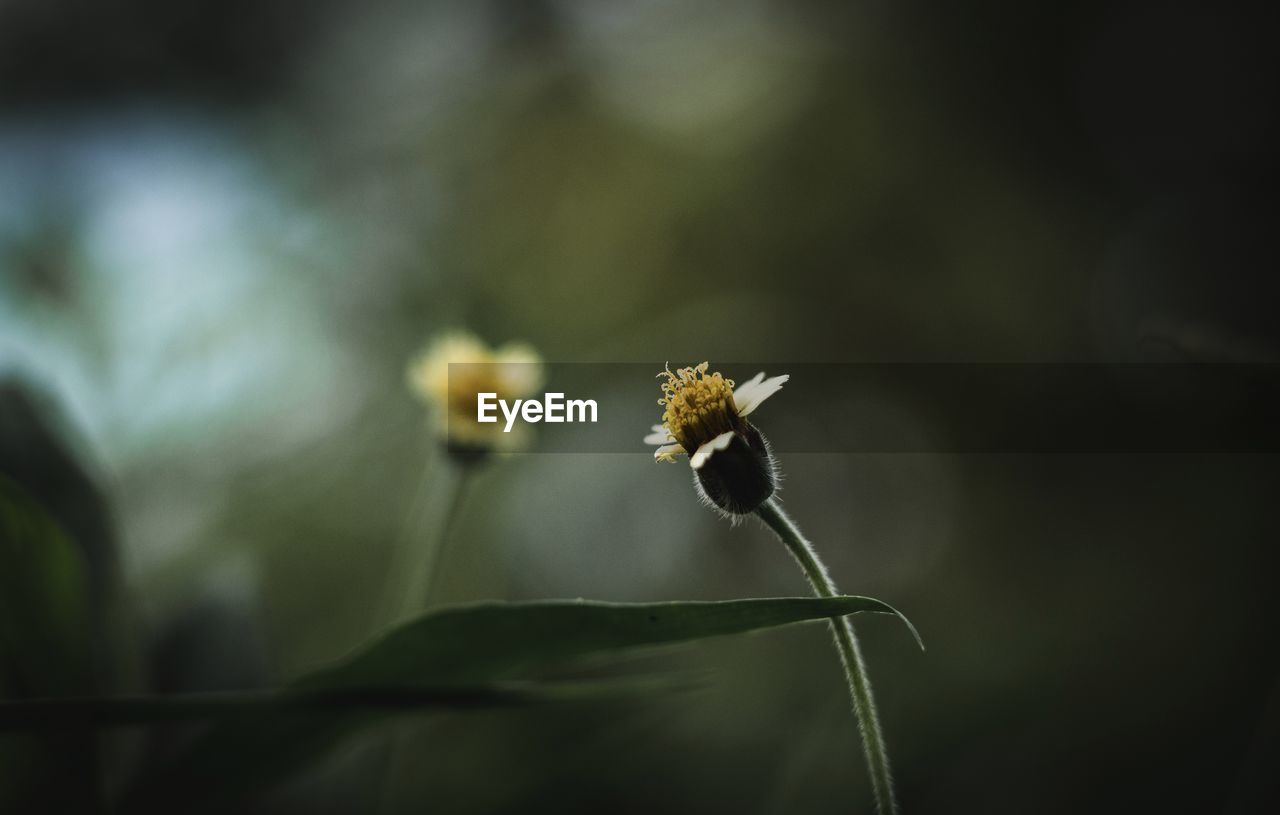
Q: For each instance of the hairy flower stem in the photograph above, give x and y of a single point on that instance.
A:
(855, 670)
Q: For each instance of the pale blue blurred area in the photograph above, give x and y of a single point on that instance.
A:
(188, 312)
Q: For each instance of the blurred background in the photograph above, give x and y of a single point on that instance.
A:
(226, 227)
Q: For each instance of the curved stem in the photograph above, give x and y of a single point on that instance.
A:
(855, 669)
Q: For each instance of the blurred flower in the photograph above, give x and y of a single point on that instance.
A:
(706, 419)
(449, 374)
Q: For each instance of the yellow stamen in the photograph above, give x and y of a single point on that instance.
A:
(699, 406)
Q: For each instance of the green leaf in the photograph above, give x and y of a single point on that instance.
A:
(44, 610)
(496, 640)
(93, 713)
(44, 651)
(468, 644)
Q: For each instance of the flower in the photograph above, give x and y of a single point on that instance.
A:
(453, 369)
(705, 418)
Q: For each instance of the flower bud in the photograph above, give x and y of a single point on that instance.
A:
(739, 477)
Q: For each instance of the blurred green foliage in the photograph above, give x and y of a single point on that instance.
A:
(44, 651)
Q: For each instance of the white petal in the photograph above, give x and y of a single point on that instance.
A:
(747, 387)
(520, 368)
(745, 394)
(753, 393)
(704, 453)
(668, 451)
(659, 436)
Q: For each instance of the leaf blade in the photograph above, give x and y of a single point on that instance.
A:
(94, 713)
(484, 642)
(440, 646)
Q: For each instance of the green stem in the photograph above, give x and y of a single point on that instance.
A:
(855, 669)
(411, 576)
(457, 497)
(412, 583)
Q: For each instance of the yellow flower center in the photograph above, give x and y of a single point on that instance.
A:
(465, 382)
(699, 406)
